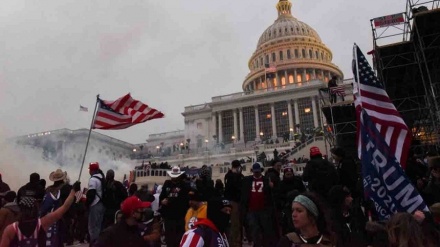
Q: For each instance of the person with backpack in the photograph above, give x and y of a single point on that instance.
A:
(31, 230)
(94, 201)
(56, 194)
(319, 173)
(114, 195)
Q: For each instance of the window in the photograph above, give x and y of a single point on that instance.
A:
(303, 53)
(249, 123)
(267, 59)
(228, 125)
(310, 54)
(289, 56)
(281, 55)
(261, 61)
(316, 54)
(290, 78)
(273, 57)
(322, 56)
(296, 53)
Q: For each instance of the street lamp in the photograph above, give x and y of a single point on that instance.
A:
(206, 144)
(261, 135)
(134, 150)
(181, 147)
(291, 134)
(157, 147)
(233, 141)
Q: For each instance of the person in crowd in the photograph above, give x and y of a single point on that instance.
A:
(286, 213)
(115, 194)
(94, 201)
(32, 189)
(404, 231)
(174, 204)
(155, 204)
(10, 212)
(30, 230)
(197, 209)
(233, 180)
(43, 183)
(431, 194)
(132, 189)
(310, 219)
(348, 220)
(144, 194)
(126, 232)
(204, 183)
(56, 194)
(289, 183)
(210, 231)
(81, 218)
(417, 171)
(4, 187)
(319, 173)
(346, 168)
(219, 188)
(150, 229)
(258, 207)
(332, 83)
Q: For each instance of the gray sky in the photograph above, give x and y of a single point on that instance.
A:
(56, 55)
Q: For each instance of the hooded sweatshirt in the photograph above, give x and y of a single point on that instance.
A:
(204, 234)
(8, 215)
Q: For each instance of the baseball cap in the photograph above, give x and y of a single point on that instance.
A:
(94, 166)
(256, 167)
(133, 203)
(315, 151)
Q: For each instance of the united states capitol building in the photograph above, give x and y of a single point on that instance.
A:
(269, 109)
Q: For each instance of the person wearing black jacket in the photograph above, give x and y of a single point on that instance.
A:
(346, 168)
(233, 181)
(32, 189)
(174, 202)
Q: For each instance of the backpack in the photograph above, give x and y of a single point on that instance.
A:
(104, 197)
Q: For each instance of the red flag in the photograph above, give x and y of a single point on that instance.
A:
(123, 113)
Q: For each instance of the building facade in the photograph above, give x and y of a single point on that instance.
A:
(280, 93)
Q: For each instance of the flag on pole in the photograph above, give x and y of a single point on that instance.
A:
(372, 97)
(384, 180)
(123, 113)
(83, 108)
(338, 90)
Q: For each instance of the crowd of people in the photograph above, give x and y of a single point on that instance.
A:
(272, 207)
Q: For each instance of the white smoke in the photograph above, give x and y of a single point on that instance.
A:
(17, 162)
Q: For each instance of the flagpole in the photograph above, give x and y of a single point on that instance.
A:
(357, 72)
(88, 137)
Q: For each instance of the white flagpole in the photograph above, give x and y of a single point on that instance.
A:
(357, 73)
(88, 137)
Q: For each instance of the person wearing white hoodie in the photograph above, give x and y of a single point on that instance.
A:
(155, 203)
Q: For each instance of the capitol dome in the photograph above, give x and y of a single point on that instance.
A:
(293, 51)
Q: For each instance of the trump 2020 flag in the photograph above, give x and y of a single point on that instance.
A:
(384, 180)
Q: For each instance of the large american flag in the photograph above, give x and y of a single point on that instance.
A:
(338, 90)
(123, 113)
(371, 96)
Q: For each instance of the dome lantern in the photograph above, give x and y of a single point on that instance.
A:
(284, 8)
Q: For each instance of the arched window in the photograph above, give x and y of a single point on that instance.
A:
(316, 54)
(303, 53)
(322, 56)
(267, 59)
(289, 56)
(281, 55)
(291, 79)
(310, 54)
(296, 53)
(261, 61)
(298, 78)
(274, 57)
(283, 81)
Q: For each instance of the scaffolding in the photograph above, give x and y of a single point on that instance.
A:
(406, 58)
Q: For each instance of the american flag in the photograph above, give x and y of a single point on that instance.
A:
(83, 108)
(270, 69)
(371, 96)
(123, 113)
(338, 90)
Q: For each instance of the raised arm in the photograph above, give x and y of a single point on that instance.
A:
(53, 217)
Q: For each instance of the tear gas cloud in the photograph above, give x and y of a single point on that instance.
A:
(17, 162)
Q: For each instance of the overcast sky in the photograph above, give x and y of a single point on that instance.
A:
(58, 54)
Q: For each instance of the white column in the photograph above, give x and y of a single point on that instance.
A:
(278, 81)
(286, 79)
(220, 127)
(315, 112)
(304, 79)
(213, 125)
(274, 123)
(295, 107)
(314, 74)
(289, 113)
(257, 124)
(294, 76)
(322, 75)
(241, 124)
(234, 113)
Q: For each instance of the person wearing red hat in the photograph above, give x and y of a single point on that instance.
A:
(126, 232)
(319, 173)
(94, 201)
